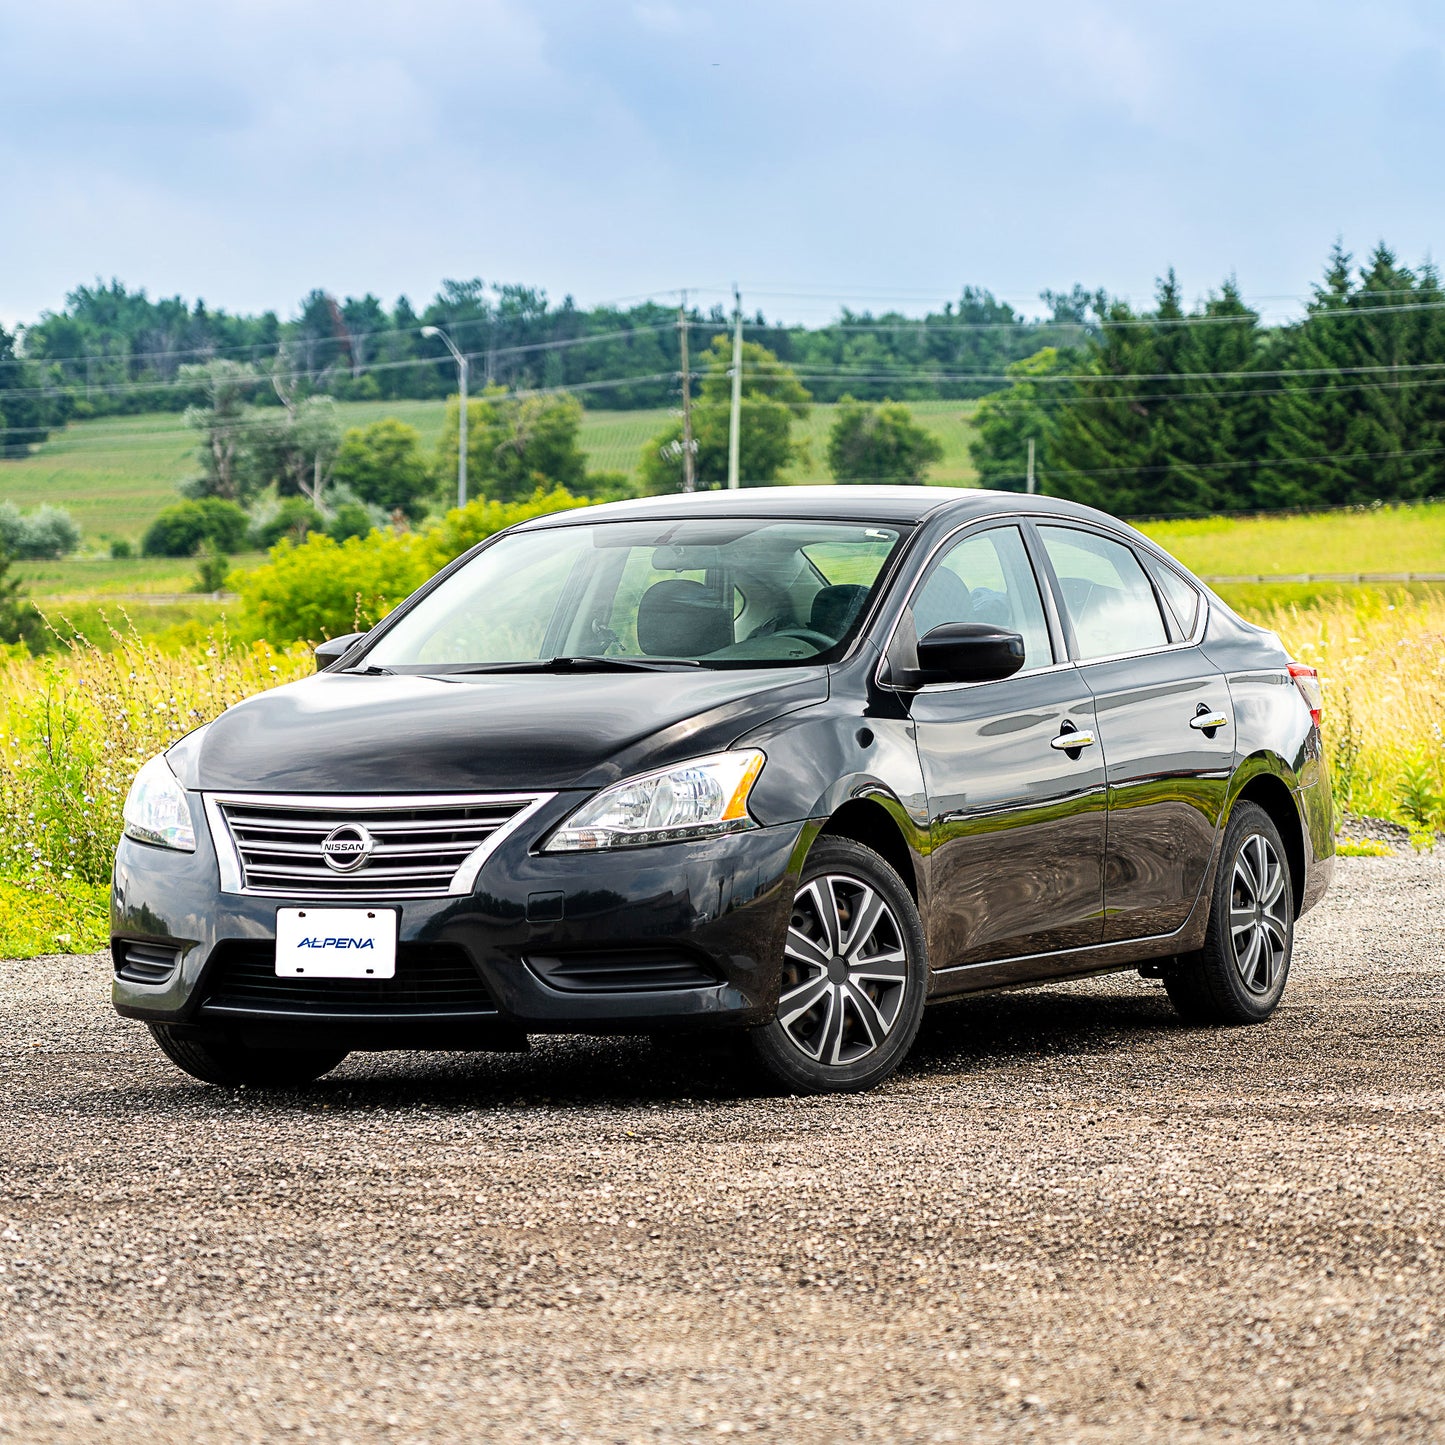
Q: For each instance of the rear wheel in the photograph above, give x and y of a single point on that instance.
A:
(217, 1059)
(1238, 977)
(855, 976)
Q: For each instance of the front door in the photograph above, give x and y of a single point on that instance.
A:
(1017, 818)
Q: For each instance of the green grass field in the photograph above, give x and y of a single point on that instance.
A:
(1382, 539)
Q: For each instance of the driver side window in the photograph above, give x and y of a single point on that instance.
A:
(986, 577)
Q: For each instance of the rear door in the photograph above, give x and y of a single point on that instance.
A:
(1017, 821)
(1165, 722)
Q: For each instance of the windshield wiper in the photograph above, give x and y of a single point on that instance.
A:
(596, 663)
(372, 671)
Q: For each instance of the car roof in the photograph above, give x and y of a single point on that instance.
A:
(843, 503)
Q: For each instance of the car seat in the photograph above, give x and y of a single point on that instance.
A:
(680, 618)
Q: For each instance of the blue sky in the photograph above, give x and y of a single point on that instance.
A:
(813, 150)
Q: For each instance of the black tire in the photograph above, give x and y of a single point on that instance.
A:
(1238, 977)
(217, 1059)
(867, 989)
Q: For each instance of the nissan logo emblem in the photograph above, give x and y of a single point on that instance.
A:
(346, 848)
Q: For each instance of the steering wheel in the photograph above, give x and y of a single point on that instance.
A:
(820, 640)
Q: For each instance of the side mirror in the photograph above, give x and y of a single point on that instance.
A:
(334, 649)
(968, 652)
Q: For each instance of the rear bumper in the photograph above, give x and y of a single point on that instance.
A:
(687, 934)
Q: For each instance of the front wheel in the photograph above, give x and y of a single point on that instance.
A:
(855, 976)
(213, 1058)
(1238, 977)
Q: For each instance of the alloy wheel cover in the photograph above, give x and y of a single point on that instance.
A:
(845, 971)
(1258, 921)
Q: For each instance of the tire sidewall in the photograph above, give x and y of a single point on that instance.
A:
(1247, 821)
(771, 1042)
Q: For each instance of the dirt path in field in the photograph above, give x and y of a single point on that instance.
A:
(1070, 1218)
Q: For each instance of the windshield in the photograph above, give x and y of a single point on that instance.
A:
(698, 592)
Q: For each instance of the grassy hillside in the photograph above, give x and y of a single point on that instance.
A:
(115, 474)
(1386, 539)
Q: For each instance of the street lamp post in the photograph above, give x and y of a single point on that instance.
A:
(462, 420)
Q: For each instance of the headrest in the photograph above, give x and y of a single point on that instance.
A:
(944, 598)
(835, 607)
(679, 618)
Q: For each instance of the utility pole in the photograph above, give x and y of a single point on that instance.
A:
(689, 473)
(1029, 484)
(462, 369)
(735, 421)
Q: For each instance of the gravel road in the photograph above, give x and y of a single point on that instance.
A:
(1070, 1218)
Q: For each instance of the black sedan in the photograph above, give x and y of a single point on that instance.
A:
(792, 762)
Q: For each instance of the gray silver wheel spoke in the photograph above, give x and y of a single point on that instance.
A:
(825, 905)
(882, 968)
(866, 913)
(797, 1001)
(804, 950)
(1258, 920)
(830, 1036)
(867, 1013)
(845, 970)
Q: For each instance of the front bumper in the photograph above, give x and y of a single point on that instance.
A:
(686, 934)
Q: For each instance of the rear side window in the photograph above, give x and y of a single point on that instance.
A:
(1181, 599)
(1107, 595)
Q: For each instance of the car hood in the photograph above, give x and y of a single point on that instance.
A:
(350, 733)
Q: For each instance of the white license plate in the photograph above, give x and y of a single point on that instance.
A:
(335, 943)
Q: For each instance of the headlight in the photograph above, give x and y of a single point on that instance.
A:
(698, 799)
(156, 809)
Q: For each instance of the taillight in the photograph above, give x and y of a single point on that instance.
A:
(1308, 682)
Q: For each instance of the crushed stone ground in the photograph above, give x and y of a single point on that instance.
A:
(1068, 1218)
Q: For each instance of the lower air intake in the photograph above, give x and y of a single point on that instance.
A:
(431, 980)
(144, 962)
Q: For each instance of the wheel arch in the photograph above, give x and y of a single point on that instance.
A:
(1266, 789)
(875, 824)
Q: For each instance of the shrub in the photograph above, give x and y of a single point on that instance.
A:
(383, 464)
(212, 566)
(121, 550)
(871, 443)
(351, 519)
(47, 533)
(323, 588)
(180, 529)
(610, 486)
(292, 519)
(464, 527)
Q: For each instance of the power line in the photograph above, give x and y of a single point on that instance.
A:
(1250, 464)
(341, 340)
(928, 325)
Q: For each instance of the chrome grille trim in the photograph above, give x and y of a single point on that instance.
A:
(269, 844)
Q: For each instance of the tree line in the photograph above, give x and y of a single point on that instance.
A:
(1198, 410)
(111, 349)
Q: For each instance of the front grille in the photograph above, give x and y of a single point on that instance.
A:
(621, 971)
(144, 962)
(420, 848)
(431, 978)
